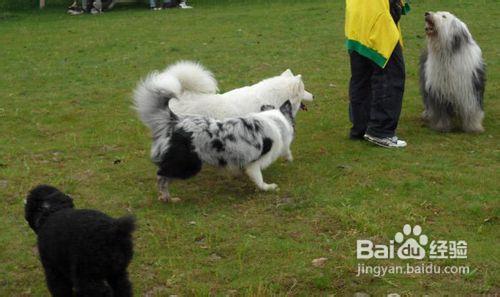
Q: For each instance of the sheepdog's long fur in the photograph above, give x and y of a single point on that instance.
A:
(181, 143)
(452, 75)
(83, 252)
(194, 91)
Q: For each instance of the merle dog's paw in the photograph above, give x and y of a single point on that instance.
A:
(269, 187)
(164, 198)
(167, 199)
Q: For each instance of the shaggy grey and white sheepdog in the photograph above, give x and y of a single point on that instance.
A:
(452, 75)
(182, 143)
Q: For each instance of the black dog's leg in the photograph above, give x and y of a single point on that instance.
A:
(121, 285)
(58, 284)
(92, 288)
(163, 188)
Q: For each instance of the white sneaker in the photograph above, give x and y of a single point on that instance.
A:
(75, 11)
(389, 142)
(184, 5)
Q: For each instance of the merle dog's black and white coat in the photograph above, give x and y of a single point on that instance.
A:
(452, 75)
(182, 143)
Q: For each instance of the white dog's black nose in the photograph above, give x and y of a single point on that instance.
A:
(427, 13)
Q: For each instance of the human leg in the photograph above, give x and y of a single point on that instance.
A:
(359, 94)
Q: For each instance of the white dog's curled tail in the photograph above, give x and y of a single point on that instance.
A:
(151, 99)
(193, 77)
(152, 94)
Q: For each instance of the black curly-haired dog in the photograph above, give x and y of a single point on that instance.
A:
(83, 252)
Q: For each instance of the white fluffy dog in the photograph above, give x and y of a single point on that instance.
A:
(452, 75)
(194, 91)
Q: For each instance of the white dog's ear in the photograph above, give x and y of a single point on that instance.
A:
(287, 72)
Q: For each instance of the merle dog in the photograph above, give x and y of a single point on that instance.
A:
(182, 143)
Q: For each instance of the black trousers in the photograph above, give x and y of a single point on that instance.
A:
(376, 95)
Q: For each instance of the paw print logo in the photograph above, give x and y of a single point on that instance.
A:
(412, 241)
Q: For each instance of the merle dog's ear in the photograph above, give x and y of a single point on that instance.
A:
(286, 110)
(267, 107)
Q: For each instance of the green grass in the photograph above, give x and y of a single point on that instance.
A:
(65, 117)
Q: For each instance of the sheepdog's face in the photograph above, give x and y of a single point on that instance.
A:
(298, 89)
(445, 28)
(42, 201)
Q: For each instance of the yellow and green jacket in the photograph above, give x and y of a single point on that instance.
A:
(370, 29)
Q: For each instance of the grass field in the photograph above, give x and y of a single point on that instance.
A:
(65, 119)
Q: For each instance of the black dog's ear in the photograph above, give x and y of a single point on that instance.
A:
(42, 201)
(66, 201)
(267, 107)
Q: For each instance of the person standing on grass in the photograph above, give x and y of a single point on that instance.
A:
(376, 89)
